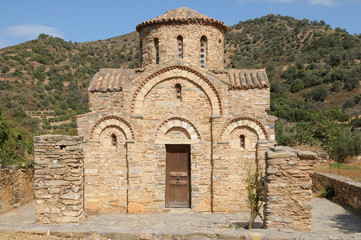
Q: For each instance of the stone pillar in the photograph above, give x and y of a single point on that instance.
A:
(288, 186)
(135, 166)
(262, 147)
(58, 179)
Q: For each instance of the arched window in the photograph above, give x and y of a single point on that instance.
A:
(156, 46)
(180, 46)
(114, 140)
(242, 139)
(203, 51)
(178, 91)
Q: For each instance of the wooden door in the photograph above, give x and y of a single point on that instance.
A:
(177, 190)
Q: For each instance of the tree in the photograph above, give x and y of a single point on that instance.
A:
(351, 83)
(318, 94)
(5, 69)
(255, 194)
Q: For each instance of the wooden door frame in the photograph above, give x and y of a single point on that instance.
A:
(189, 174)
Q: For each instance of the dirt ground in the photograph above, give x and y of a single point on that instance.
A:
(8, 235)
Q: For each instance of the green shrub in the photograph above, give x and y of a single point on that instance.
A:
(328, 193)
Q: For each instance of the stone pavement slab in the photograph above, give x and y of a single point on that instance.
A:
(329, 221)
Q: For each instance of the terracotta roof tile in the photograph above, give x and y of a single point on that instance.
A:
(111, 80)
(182, 15)
(247, 79)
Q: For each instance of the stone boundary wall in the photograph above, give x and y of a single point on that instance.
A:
(347, 191)
(16, 187)
(58, 179)
(288, 187)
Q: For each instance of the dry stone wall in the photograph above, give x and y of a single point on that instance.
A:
(58, 179)
(288, 187)
(347, 191)
(16, 187)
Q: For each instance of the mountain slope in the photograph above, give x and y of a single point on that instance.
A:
(43, 82)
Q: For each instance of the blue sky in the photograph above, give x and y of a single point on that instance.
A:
(90, 20)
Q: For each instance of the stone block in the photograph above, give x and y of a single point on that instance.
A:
(135, 208)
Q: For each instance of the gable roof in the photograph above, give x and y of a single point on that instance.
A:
(111, 80)
(182, 15)
(247, 78)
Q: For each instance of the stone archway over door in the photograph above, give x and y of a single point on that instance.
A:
(178, 185)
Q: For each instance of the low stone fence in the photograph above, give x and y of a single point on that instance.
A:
(16, 187)
(58, 179)
(347, 191)
(288, 186)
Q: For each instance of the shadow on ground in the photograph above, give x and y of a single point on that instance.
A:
(347, 222)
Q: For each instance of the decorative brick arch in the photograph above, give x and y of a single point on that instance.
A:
(181, 123)
(112, 121)
(171, 72)
(254, 124)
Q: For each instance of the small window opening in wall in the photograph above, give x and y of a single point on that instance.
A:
(178, 89)
(156, 46)
(203, 51)
(180, 46)
(242, 139)
(114, 140)
(62, 147)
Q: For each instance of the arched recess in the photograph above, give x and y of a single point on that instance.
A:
(112, 121)
(177, 122)
(254, 124)
(176, 72)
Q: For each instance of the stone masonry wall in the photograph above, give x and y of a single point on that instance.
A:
(288, 186)
(16, 187)
(347, 191)
(58, 179)
(191, 33)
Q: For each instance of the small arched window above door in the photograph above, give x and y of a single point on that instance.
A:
(242, 139)
(178, 91)
(114, 141)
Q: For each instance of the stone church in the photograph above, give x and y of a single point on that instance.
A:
(180, 132)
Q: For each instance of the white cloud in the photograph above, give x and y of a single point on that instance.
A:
(327, 3)
(30, 31)
(25, 32)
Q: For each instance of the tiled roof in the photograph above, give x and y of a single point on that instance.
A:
(182, 15)
(247, 78)
(111, 80)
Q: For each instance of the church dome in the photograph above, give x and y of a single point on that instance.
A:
(182, 15)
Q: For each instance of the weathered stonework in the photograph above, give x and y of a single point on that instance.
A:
(288, 187)
(143, 113)
(58, 179)
(347, 191)
(16, 187)
(137, 116)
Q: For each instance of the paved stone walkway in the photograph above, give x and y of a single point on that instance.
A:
(329, 221)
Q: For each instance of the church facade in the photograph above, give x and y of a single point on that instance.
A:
(179, 132)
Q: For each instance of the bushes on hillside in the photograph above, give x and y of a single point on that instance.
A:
(338, 140)
(15, 145)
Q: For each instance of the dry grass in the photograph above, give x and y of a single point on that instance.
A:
(350, 170)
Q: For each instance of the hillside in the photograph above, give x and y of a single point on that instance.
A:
(313, 69)
(43, 82)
